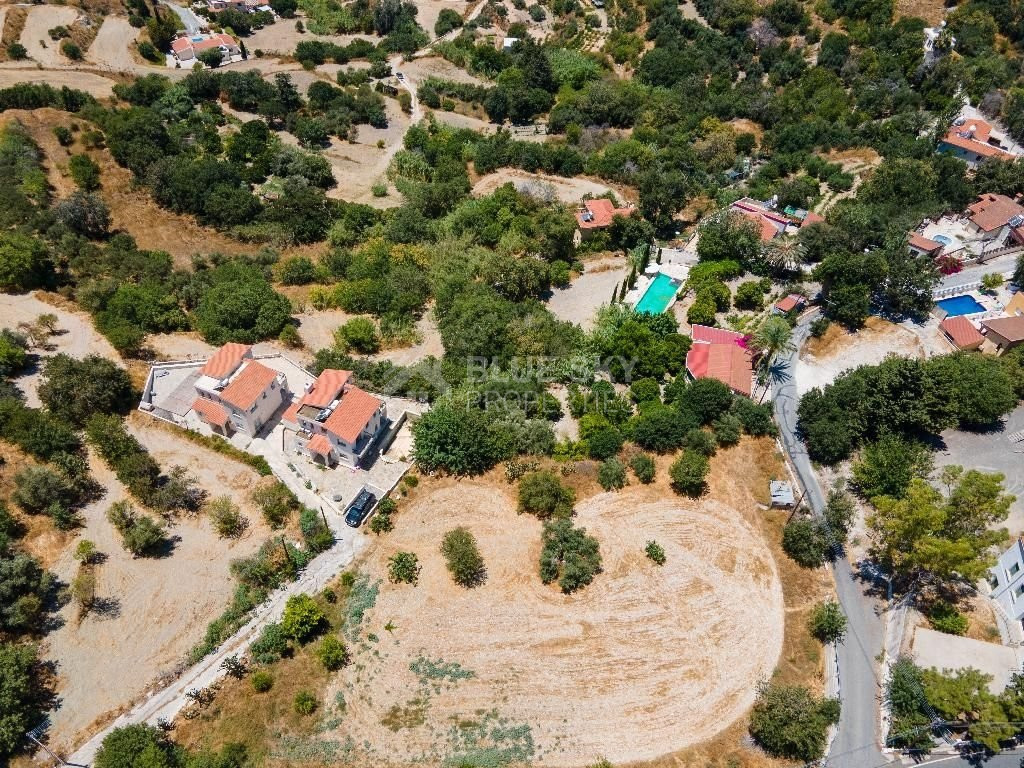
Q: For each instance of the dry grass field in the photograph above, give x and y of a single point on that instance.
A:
(513, 671)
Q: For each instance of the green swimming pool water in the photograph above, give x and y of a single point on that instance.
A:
(659, 295)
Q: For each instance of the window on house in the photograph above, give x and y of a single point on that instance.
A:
(1014, 569)
(253, 409)
(1018, 591)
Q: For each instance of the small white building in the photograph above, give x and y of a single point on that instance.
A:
(1007, 580)
(235, 393)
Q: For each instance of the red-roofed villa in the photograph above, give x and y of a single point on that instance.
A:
(721, 354)
(595, 215)
(337, 421)
(235, 393)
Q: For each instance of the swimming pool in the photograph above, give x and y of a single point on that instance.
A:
(960, 305)
(659, 295)
(942, 239)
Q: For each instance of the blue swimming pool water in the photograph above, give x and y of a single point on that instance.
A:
(960, 305)
(942, 239)
(659, 295)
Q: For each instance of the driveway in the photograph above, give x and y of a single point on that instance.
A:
(193, 24)
(856, 741)
(991, 451)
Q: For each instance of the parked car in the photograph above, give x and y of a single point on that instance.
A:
(360, 508)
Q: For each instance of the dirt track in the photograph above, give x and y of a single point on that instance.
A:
(643, 650)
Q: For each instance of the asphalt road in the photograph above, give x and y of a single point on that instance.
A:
(856, 741)
(193, 24)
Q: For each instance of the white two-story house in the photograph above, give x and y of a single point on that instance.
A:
(1007, 580)
(337, 421)
(235, 393)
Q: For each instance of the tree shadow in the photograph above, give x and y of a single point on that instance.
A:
(106, 608)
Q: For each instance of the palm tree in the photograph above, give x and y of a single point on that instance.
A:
(772, 337)
(784, 254)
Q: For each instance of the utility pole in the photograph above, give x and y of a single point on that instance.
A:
(324, 516)
(33, 737)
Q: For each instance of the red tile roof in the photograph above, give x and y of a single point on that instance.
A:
(246, 388)
(602, 212)
(790, 303)
(326, 388)
(961, 332)
(352, 414)
(210, 412)
(716, 335)
(923, 243)
(972, 145)
(993, 211)
(811, 218)
(225, 360)
(319, 444)
(291, 412)
(1010, 328)
(730, 364)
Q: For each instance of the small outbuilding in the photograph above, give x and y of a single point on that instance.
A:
(961, 332)
(781, 493)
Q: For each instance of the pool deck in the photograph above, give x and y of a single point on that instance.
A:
(991, 306)
(677, 272)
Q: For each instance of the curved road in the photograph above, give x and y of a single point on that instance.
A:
(856, 742)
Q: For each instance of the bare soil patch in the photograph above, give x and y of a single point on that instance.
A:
(644, 649)
(112, 48)
(76, 336)
(839, 350)
(580, 300)
(931, 11)
(154, 609)
(93, 84)
(557, 187)
(282, 37)
(35, 37)
(434, 66)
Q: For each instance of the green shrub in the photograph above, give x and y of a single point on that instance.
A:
(332, 653)
(827, 622)
(462, 555)
(688, 473)
(305, 703)
(71, 50)
(655, 552)
(261, 681)
(612, 474)
(276, 503)
(805, 541)
(643, 467)
(946, 618)
(271, 645)
(226, 517)
(790, 722)
(403, 568)
(542, 494)
(569, 555)
(303, 618)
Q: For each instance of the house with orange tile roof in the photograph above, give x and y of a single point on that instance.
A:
(924, 246)
(595, 215)
(721, 354)
(235, 393)
(973, 141)
(189, 47)
(337, 421)
(770, 223)
(994, 217)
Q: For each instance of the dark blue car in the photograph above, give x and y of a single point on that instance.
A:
(360, 507)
